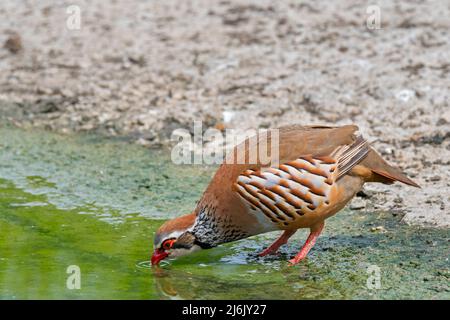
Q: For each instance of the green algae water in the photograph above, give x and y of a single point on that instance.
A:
(95, 203)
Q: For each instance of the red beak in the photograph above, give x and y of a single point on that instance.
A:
(158, 255)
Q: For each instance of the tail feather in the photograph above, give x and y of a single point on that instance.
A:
(365, 161)
(395, 177)
(384, 172)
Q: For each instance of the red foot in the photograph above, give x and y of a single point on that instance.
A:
(278, 243)
(310, 242)
(295, 260)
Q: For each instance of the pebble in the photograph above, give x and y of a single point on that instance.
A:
(379, 229)
(13, 43)
(357, 204)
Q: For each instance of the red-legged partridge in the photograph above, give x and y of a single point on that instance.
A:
(320, 169)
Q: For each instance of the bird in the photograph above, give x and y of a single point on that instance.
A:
(319, 170)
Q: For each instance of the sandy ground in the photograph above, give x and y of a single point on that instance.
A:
(145, 68)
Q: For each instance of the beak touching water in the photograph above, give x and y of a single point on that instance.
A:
(158, 255)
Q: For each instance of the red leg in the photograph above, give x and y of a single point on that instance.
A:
(278, 243)
(313, 235)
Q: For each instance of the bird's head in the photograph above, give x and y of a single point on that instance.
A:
(175, 239)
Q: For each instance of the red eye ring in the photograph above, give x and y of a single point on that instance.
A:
(167, 245)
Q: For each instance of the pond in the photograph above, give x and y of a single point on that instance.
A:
(95, 203)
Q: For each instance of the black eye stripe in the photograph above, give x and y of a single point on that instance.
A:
(180, 246)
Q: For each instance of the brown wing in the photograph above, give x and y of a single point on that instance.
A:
(294, 141)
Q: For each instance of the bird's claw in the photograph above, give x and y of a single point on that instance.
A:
(293, 262)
